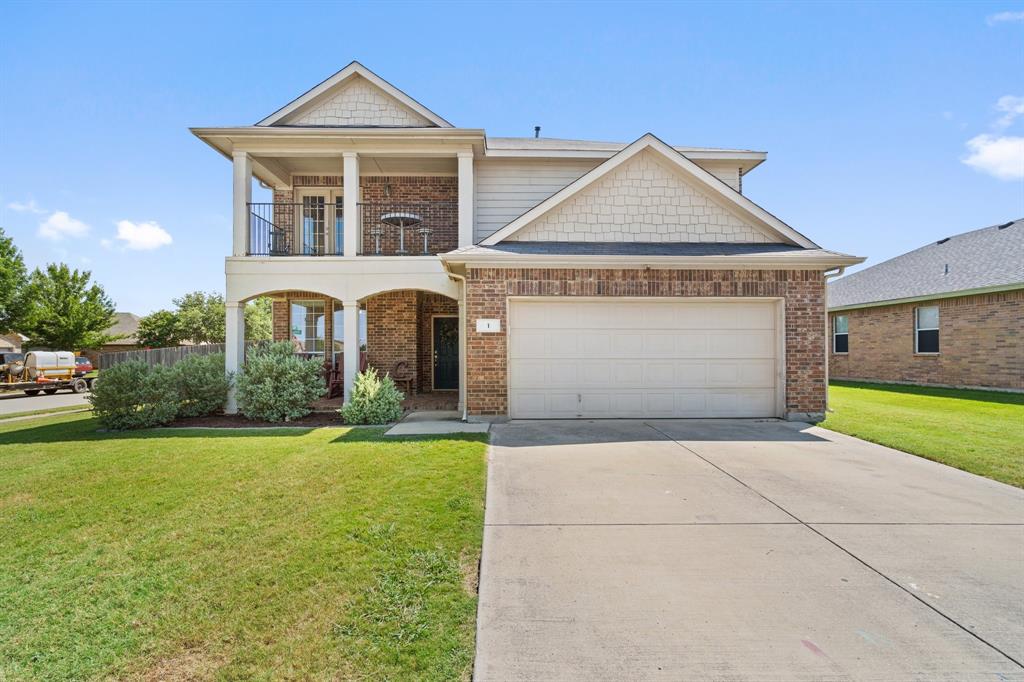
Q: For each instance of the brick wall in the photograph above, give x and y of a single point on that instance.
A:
(392, 331)
(803, 291)
(434, 199)
(428, 305)
(980, 343)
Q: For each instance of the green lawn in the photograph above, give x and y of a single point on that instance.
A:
(255, 554)
(977, 431)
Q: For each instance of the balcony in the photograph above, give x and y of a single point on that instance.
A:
(317, 228)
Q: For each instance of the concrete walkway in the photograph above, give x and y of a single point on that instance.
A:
(742, 550)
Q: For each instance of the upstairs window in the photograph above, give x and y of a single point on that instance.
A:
(926, 329)
(840, 334)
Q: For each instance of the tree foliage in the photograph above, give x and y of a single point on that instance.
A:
(13, 278)
(201, 317)
(65, 310)
(259, 320)
(159, 330)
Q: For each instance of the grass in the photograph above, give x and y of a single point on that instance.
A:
(227, 554)
(978, 431)
(45, 410)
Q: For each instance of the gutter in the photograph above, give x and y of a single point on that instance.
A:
(464, 326)
(829, 274)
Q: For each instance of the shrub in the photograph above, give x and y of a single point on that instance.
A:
(375, 400)
(277, 385)
(133, 395)
(202, 385)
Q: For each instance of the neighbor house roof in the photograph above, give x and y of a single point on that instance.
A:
(126, 323)
(972, 262)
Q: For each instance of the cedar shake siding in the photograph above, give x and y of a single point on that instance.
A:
(980, 343)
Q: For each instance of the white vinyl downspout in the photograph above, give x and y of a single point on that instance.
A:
(463, 387)
(829, 274)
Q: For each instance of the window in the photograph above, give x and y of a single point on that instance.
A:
(926, 329)
(307, 327)
(338, 330)
(840, 334)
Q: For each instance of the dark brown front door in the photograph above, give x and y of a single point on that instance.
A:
(446, 353)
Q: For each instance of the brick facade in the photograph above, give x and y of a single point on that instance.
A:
(802, 290)
(980, 343)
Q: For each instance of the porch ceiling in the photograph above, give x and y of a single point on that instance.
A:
(284, 167)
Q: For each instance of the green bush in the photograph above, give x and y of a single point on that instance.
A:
(202, 385)
(133, 395)
(277, 385)
(375, 400)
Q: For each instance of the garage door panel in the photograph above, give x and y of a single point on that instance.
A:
(692, 358)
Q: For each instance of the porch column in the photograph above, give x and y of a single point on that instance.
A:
(351, 206)
(234, 348)
(350, 314)
(465, 199)
(463, 374)
(241, 196)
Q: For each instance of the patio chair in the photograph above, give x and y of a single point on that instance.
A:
(402, 376)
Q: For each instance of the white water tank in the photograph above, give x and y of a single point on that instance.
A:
(50, 363)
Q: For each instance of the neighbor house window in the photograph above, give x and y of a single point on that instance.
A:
(307, 326)
(926, 329)
(840, 334)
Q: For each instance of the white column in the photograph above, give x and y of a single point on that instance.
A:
(462, 348)
(351, 201)
(350, 314)
(234, 347)
(465, 199)
(242, 195)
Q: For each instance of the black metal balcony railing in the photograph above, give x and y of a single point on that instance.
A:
(310, 228)
(402, 228)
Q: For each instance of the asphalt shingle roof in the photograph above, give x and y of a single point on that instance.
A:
(989, 257)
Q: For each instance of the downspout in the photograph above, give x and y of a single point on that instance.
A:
(834, 272)
(463, 329)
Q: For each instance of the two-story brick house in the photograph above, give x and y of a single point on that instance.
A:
(535, 277)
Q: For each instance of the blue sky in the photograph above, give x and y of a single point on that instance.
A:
(867, 111)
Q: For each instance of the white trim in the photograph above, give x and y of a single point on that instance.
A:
(433, 317)
(706, 180)
(778, 302)
(918, 329)
(350, 71)
(931, 297)
(766, 262)
(846, 334)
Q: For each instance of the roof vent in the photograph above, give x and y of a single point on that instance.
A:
(1005, 225)
(536, 131)
(942, 241)
(947, 269)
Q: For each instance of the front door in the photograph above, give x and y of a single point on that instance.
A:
(446, 353)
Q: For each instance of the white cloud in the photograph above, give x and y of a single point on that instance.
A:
(29, 206)
(142, 236)
(999, 156)
(60, 225)
(1004, 17)
(1012, 108)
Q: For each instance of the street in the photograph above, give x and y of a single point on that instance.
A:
(13, 402)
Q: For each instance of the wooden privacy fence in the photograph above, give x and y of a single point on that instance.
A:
(158, 356)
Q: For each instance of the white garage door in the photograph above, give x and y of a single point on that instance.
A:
(643, 358)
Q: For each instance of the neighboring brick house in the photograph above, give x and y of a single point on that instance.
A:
(948, 314)
(532, 277)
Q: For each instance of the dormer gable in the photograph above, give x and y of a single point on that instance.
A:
(355, 97)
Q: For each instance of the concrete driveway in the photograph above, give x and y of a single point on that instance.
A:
(742, 550)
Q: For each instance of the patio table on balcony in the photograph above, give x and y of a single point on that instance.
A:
(401, 220)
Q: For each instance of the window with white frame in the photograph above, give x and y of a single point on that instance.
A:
(307, 326)
(840, 334)
(926, 329)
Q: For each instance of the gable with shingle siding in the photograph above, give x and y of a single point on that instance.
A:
(642, 201)
(358, 103)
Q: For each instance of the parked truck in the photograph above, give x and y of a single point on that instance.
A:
(40, 372)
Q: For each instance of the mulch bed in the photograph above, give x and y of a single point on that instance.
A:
(237, 421)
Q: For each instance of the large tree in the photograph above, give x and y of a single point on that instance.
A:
(259, 320)
(65, 311)
(159, 330)
(201, 317)
(13, 278)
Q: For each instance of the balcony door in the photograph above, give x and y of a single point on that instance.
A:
(320, 225)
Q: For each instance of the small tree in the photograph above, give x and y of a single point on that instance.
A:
(159, 330)
(201, 317)
(375, 400)
(65, 311)
(13, 278)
